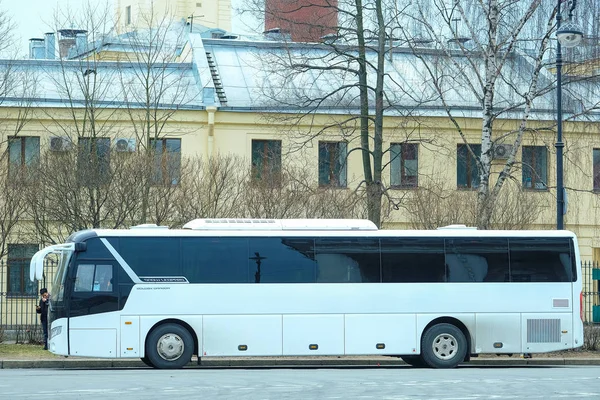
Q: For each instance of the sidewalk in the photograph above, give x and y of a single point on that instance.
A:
(263, 362)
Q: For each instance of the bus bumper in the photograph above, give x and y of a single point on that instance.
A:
(58, 337)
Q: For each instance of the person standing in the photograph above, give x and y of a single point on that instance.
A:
(42, 309)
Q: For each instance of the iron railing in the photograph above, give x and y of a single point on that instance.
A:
(18, 300)
(591, 291)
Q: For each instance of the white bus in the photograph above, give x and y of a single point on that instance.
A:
(312, 287)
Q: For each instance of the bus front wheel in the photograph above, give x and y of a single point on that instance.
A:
(443, 346)
(146, 361)
(169, 346)
(414, 361)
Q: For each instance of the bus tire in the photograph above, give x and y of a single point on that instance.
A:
(443, 346)
(414, 361)
(169, 346)
(146, 361)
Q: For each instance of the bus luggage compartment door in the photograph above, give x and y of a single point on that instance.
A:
(242, 335)
(313, 334)
(130, 336)
(93, 342)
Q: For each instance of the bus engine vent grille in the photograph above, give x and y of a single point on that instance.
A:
(543, 331)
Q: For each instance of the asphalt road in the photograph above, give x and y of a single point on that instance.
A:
(467, 383)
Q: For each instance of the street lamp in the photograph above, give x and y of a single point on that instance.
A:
(568, 35)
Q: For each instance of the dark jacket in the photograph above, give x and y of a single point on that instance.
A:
(43, 310)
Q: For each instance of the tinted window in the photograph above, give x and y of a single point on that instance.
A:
(93, 289)
(348, 260)
(412, 260)
(215, 260)
(152, 256)
(95, 250)
(541, 260)
(477, 260)
(281, 260)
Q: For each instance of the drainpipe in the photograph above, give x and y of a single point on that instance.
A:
(211, 129)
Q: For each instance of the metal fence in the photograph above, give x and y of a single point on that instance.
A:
(18, 298)
(591, 291)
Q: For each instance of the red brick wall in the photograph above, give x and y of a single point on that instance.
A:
(305, 20)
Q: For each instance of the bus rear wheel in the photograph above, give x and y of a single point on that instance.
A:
(169, 346)
(443, 346)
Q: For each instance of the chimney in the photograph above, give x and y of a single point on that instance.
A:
(50, 45)
(304, 20)
(37, 49)
(66, 41)
(81, 42)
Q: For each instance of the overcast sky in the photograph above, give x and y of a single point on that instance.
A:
(35, 17)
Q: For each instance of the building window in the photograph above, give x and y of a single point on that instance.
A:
(93, 160)
(597, 169)
(19, 256)
(535, 167)
(467, 173)
(266, 160)
(404, 165)
(167, 161)
(128, 15)
(24, 155)
(332, 164)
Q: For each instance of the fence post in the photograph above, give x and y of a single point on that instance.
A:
(596, 294)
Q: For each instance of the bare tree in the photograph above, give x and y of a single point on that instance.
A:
(493, 52)
(342, 81)
(156, 86)
(437, 203)
(212, 188)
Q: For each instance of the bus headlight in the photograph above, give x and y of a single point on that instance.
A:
(55, 331)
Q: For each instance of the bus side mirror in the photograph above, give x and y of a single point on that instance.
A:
(80, 246)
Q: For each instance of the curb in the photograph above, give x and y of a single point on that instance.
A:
(288, 362)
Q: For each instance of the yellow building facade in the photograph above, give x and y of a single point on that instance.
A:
(219, 100)
(210, 13)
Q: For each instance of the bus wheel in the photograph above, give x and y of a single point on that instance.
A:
(415, 361)
(169, 346)
(443, 346)
(146, 361)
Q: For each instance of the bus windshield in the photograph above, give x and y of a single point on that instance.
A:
(57, 290)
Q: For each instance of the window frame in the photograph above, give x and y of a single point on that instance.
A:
(470, 166)
(23, 264)
(596, 170)
(165, 178)
(398, 168)
(22, 170)
(536, 177)
(97, 164)
(336, 177)
(266, 162)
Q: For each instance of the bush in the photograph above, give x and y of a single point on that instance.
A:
(591, 337)
(34, 334)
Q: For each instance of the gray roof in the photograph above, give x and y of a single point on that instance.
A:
(249, 75)
(59, 83)
(256, 75)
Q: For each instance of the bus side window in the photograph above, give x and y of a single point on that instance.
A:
(84, 278)
(540, 260)
(93, 278)
(103, 278)
(477, 260)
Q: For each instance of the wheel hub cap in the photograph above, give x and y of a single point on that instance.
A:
(445, 346)
(170, 346)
